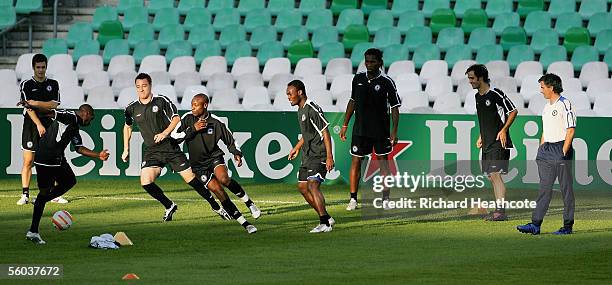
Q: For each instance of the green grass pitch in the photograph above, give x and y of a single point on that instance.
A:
(199, 248)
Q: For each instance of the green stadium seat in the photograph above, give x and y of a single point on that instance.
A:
(473, 19)
(8, 17)
(598, 22)
(292, 34)
(201, 33)
(324, 35)
(395, 53)
(576, 36)
(567, 21)
(245, 6)
(358, 51)
(355, 34)
(498, 7)
(349, 17)
(425, 52)
(319, 18)
(28, 6)
(215, 6)
(518, 54)
(488, 53)
(156, 5)
(608, 58)
(299, 49)
(78, 31)
(552, 54)
(102, 14)
(110, 30)
(584, 54)
(145, 48)
(206, 49)
(197, 17)
(225, 18)
(262, 35)
(256, 18)
(232, 33)
(588, 8)
(115, 47)
(417, 36)
(512, 36)
(559, 7)
(379, 19)
(185, 6)
(270, 50)
(544, 38)
(537, 20)
(141, 32)
(134, 16)
(604, 40)
(369, 6)
(330, 51)
(288, 18)
(527, 6)
(442, 18)
(85, 47)
(178, 48)
(400, 7)
(410, 19)
(170, 33)
(337, 6)
(429, 6)
(387, 36)
(307, 6)
(504, 21)
(481, 37)
(461, 6)
(458, 52)
(127, 4)
(449, 37)
(237, 49)
(277, 6)
(164, 17)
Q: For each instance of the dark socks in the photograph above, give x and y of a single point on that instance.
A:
(235, 188)
(231, 209)
(158, 194)
(324, 220)
(354, 195)
(39, 208)
(201, 189)
(26, 191)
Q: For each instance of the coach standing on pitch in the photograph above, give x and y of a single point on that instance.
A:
(373, 98)
(555, 156)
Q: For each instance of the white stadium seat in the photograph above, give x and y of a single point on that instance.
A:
(226, 99)
(506, 84)
(66, 78)
(572, 84)
(166, 90)
(516, 99)
(308, 66)
(212, 65)
(597, 87)
(8, 77)
(593, 71)
(448, 103)
(95, 79)
(281, 103)
(530, 86)
(123, 80)
(160, 77)
(279, 82)
(526, 68)
(10, 96)
(126, 96)
(121, 63)
(407, 83)
(188, 94)
(59, 63)
(314, 82)
(536, 104)
(181, 65)
(438, 85)
(432, 69)
(72, 97)
(338, 67)
(400, 67)
(414, 99)
(340, 84)
(89, 63)
(459, 69)
(23, 68)
(563, 69)
(244, 65)
(579, 99)
(256, 95)
(498, 68)
(102, 97)
(343, 99)
(246, 81)
(186, 79)
(274, 66)
(602, 104)
(321, 97)
(151, 63)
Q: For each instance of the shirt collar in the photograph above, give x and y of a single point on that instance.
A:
(381, 73)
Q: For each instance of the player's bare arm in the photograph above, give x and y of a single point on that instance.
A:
(43, 104)
(395, 119)
(296, 150)
(163, 135)
(501, 136)
(350, 108)
(103, 155)
(569, 137)
(127, 135)
(329, 161)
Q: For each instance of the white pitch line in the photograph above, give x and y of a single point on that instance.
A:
(152, 199)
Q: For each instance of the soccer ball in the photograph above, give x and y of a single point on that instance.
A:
(62, 220)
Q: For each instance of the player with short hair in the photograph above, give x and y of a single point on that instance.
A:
(40, 93)
(555, 156)
(317, 158)
(54, 175)
(156, 118)
(496, 113)
(374, 98)
(202, 132)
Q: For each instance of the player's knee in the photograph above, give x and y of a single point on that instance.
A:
(224, 179)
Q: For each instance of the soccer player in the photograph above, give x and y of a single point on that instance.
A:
(40, 92)
(555, 156)
(54, 175)
(156, 118)
(202, 131)
(495, 116)
(373, 97)
(317, 158)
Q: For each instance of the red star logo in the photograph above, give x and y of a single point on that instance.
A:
(373, 167)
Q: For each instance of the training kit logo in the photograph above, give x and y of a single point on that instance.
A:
(373, 166)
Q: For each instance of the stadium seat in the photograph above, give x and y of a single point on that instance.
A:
(225, 99)
(279, 82)
(575, 37)
(295, 33)
(102, 97)
(437, 86)
(380, 19)
(256, 18)
(513, 36)
(349, 17)
(269, 50)
(256, 95)
(400, 7)
(124, 5)
(299, 49)
(87, 64)
(518, 54)
(245, 65)
(507, 84)
(308, 66)
(429, 6)
(77, 32)
(197, 17)
(393, 53)
(354, 35)
(114, 48)
(458, 52)
(247, 81)
(186, 6)
(216, 6)
(85, 47)
(552, 54)
(275, 66)
(10, 95)
(559, 7)
(413, 100)
(237, 49)
(321, 98)
(338, 6)
(341, 83)
(277, 6)
(357, 53)
(188, 94)
(124, 80)
(432, 69)
(536, 104)
(153, 63)
(206, 49)
(314, 82)
(8, 78)
(201, 33)
(604, 40)
(261, 35)
(504, 21)
(126, 95)
(181, 64)
(400, 67)
(588, 8)
(488, 53)
(567, 21)
(140, 32)
(544, 38)
(23, 68)
(442, 18)
(572, 84)
(480, 37)
(448, 103)
(459, 69)
(425, 52)
(8, 16)
(166, 90)
(232, 33)
(307, 6)
(498, 68)
(121, 63)
(338, 67)
(474, 19)
(249, 5)
(109, 30)
(288, 18)
(319, 18)
(527, 68)
(602, 105)
(160, 78)
(166, 17)
(95, 79)
(408, 83)
(72, 96)
(449, 37)
(282, 104)
(598, 22)
(563, 69)
(498, 7)
(324, 35)
(417, 36)
(103, 14)
(54, 46)
(211, 65)
(608, 58)
(387, 36)
(170, 33)
(410, 19)
(527, 6)
(145, 48)
(369, 6)
(537, 20)
(593, 71)
(579, 99)
(462, 6)
(582, 55)
(134, 16)
(330, 51)
(598, 87)
(154, 6)
(226, 17)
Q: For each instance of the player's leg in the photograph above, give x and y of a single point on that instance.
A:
(148, 175)
(566, 180)
(383, 162)
(230, 207)
(198, 183)
(64, 181)
(303, 186)
(26, 175)
(223, 177)
(547, 171)
(499, 190)
(317, 172)
(354, 176)
(46, 181)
